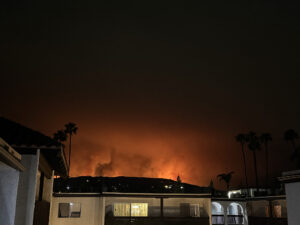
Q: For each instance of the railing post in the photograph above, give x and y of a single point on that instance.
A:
(225, 214)
(161, 207)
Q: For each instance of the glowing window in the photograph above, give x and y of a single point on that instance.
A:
(66, 210)
(121, 209)
(131, 209)
(277, 211)
(139, 209)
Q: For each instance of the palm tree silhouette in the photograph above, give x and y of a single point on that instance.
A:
(60, 136)
(264, 139)
(254, 145)
(70, 129)
(226, 177)
(243, 139)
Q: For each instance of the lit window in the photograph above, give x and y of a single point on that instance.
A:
(139, 209)
(66, 210)
(133, 209)
(122, 209)
(277, 211)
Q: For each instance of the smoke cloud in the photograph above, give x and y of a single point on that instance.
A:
(123, 163)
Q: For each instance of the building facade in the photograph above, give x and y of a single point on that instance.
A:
(27, 173)
(133, 208)
(292, 189)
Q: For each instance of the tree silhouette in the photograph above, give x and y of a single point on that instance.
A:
(243, 139)
(70, 129)
(226, 177)
(264, 139)
(60, 136)
(179, 180)
(254, 145)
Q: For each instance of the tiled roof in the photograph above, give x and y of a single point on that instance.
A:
(18, 135)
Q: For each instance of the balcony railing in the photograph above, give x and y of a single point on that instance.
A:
(217, 219)
(157, 221)
(235, 219)
(267, 221)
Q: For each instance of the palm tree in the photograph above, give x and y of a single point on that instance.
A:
(254, 145)
(60, 136)
(243, 139)
(264, 139)
(70, 129)
(226, 177)
(290, 136)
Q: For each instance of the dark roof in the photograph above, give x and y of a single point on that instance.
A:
(16, 134)
(27, 141)
(124, 185)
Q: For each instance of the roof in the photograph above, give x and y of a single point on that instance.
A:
(16, 134)
(26, 141)
(9, 156)
(290, 177)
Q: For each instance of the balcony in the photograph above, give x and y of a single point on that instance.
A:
(157, 220)
(267, 221)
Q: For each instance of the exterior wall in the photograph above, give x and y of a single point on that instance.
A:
(27, 190)
(48, 188)
(293, 202)
(259, 208)
(92, 212)
(9, 179)
(171, 205)
(176, 211)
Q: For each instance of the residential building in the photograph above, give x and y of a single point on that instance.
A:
(114, 208)
(10, 168)
(31, 181)
(291, 180)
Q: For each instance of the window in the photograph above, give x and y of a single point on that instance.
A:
(122, 209)
(66, 210)
(235, 214)
(277, 211)
(131, 209)
(194, 210)
(139, 209)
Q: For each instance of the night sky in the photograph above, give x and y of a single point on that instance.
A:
(156, 89)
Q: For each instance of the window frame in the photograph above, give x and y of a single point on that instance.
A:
(70, 204)
(131, 204)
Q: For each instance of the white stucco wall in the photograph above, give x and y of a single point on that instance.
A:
(9, 178)
(293, 202)
(92, 212)
(27, 190)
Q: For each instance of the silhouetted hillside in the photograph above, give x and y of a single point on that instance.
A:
(125, 184)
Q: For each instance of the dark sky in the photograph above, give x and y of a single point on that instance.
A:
(156, 89)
